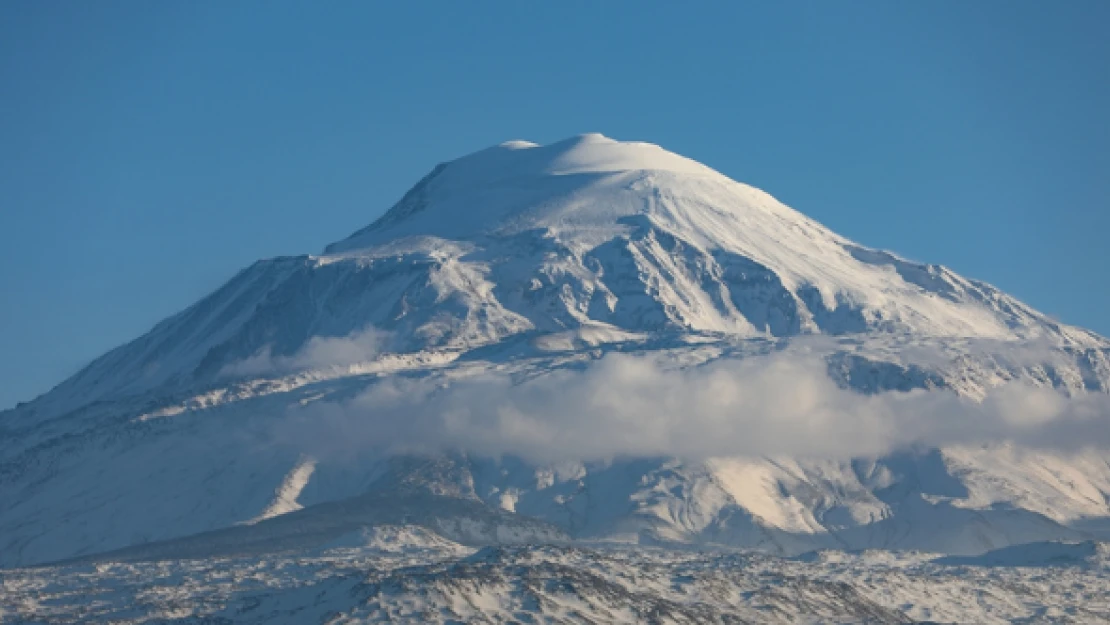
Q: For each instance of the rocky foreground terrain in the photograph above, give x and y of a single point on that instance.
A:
(407, 575)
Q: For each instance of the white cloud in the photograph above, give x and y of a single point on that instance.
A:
(630, 405)
(318, 353)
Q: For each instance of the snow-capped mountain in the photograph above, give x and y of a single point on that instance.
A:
(523, 260)
(589, 236)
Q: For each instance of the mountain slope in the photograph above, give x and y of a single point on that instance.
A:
(523, 260)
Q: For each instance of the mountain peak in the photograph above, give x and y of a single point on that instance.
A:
(480, 192)
(581, 154)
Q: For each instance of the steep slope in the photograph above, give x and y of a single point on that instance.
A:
(522, 260)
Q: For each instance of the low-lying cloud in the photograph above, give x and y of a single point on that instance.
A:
(320, 352)
(626, 405)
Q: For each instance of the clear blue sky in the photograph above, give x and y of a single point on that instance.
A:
(148, 150)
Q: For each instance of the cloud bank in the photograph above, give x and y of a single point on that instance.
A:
(627, 405)
(320, 352)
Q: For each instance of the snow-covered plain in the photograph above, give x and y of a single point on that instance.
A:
(589, 341)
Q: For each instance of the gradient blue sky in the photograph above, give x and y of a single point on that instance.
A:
(148, 150)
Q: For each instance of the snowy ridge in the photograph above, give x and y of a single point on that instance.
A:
(1086, 553)
(524, 261)
(429, 580)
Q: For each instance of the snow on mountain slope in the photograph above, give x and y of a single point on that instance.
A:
(362, 521)
(523, 260)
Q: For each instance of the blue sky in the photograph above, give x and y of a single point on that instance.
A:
(148, 150)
